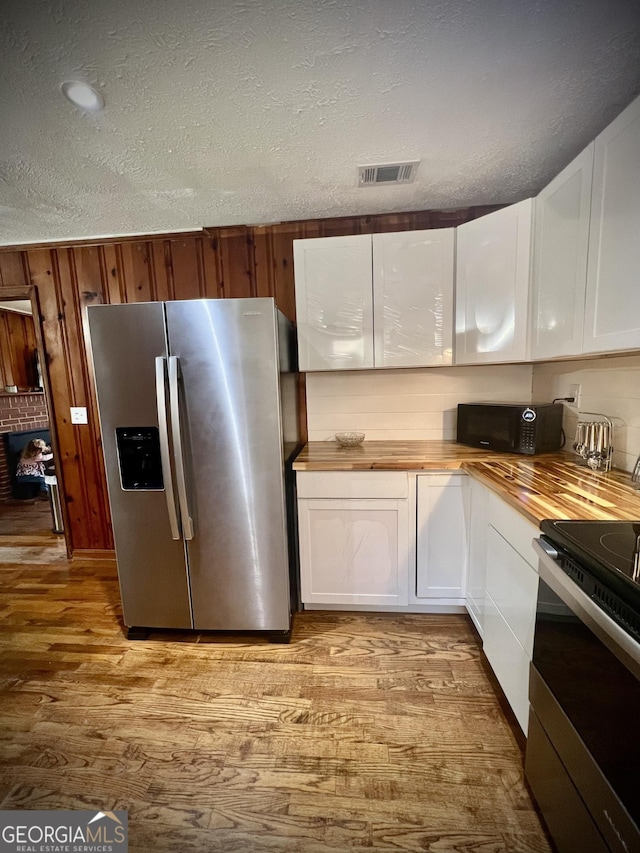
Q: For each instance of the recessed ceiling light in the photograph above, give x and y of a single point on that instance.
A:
(82, 95)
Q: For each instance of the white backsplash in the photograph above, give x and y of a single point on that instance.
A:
(407, 404)
(609, 385)
(421, 404)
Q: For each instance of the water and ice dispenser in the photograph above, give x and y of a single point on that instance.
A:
(139, 458)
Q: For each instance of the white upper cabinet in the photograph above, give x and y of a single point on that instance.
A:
(612, 313)
(382, 300)
(561, 243)
(492, 286)
(333, 302)
(413, 297)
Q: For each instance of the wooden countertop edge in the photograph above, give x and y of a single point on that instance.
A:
(548, 486)
(347, 465)
(473, 470)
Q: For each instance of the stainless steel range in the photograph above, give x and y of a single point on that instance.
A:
(583, 748)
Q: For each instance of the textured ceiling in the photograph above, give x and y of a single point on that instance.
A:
(256, 111)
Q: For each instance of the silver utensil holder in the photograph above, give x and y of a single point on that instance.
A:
(594, 440)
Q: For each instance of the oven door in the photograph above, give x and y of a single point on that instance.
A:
(583, 750)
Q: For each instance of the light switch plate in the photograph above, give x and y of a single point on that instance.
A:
(79, 415)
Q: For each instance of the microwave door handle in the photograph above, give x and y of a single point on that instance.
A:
(161, 399)
(174, 405)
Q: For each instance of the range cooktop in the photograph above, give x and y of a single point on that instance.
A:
(608, 550)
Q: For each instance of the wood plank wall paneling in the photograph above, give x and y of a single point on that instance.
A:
(12, 269)
(17, 346)
(238, 261)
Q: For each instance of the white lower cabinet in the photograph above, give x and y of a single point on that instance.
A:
(441, 541)
(510, 603)
(509, 662)
(513, 586)
(353, 536)
(393, 540)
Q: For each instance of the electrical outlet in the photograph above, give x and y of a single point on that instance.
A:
(575, 391)
(79, 415)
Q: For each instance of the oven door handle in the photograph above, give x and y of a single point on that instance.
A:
(621, 644)
(547, 547)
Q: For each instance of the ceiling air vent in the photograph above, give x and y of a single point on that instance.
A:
(387, 173)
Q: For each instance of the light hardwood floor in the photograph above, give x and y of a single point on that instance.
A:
(366, 733)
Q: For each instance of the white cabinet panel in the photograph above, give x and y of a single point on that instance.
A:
(352, 484)
(492, 286)
(413, 297)
(441, 546)
(477, 558)
(510, 601)
(612, 315)
(509, 662)
(561, 243)
(513, 585)
(509, 620)
(333, 302)
(514, 527)
(353, 552)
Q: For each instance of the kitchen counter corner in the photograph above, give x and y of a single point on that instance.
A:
(551, 485)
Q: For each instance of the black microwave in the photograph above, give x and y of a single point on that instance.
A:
(511, 427)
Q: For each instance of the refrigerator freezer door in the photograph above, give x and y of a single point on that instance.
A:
(232, 443)
(126, 340)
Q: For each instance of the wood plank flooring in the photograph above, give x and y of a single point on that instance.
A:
(28, 518)
(366, 733)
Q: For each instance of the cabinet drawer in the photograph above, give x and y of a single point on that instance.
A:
(514, 527)
(513, 586)
(508, 660)
(392, 485)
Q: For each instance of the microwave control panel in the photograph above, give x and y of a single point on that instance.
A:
(527, 439)
(528, 431)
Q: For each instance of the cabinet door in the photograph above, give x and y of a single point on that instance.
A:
(334, 302)
(441, 544)
(353, 551)
(413, 298)
(561, 243)
(612, 314)
(492, 285)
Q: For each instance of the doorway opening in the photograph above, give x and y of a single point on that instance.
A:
(30, 512)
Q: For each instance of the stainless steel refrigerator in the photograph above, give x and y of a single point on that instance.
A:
(198, 415)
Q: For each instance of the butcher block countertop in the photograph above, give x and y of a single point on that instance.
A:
(551, 485)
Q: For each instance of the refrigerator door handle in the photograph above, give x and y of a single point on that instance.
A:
(174, 401)
(163, 432)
